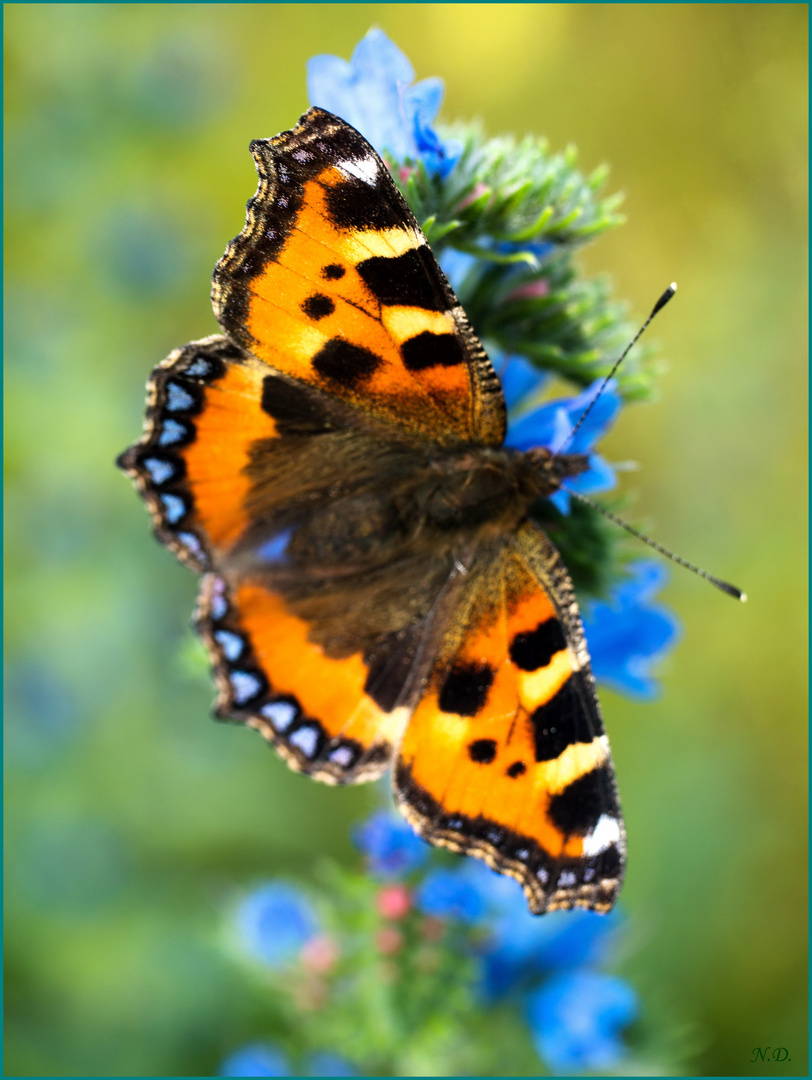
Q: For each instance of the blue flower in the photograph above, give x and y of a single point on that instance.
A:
(256, 1059)
(520, 949)
(376, 93)
(327, 1064)
(450, 894)
(627, 634)
(576, 1018)
(391, 846)
(456, 266)
(520, 379)
(274, 922)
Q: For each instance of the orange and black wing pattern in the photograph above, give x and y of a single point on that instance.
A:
(332, 464)
(250, 478)
(505, 757)
(332, 282)
(203, 414)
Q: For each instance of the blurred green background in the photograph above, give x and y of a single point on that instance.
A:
(132, 818)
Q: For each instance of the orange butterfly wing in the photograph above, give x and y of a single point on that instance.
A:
(332, 282)
(505, 757)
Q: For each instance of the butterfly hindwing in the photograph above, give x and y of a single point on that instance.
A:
(315, 709)
(203, 414)
(333, 283)
(505, 756)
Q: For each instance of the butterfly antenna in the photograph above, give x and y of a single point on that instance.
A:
(725, 586)
(669, 292)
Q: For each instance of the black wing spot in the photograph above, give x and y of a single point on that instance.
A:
(432, 350)
(482, 751)
(294, 411)
(318, 306)
(406, 280)
(518, 768)
(559, 722)
(359, 207)
(609, 863)
(345, 363)
(465, 689)
(333, 271)
(535, 649)
(580, 805)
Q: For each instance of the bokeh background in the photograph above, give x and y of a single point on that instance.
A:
(132, 818)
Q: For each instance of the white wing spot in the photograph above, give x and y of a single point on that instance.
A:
(365, 169)
(231, 644)
(280, 713)
(605, 833)
(305, 739)
(243, 685)
(342, 755)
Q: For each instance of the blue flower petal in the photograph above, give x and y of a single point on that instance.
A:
(373, 92)
(576, 1019)
(522, 948)
(423, 101)
(540, 249)
(256, 1059)
(327, 1064)
(455, 265)
(391, 846)
(555, 420)
(628, 634)
(519, 378)
(273, 923)
(448, 894)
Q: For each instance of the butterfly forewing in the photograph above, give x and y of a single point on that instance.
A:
(332, 282)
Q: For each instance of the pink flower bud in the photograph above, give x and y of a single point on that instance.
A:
(531, 290)
(394, 901)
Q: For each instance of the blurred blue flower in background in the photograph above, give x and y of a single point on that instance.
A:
(449, 894)
(376, 93)
(274, 922)
(326, 1064)
(391, 846)
(518, 948)
(576, 1019)
(265, 1059)
(627, 634)
(256, 1059)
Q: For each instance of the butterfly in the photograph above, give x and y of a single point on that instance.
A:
(374, 591)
